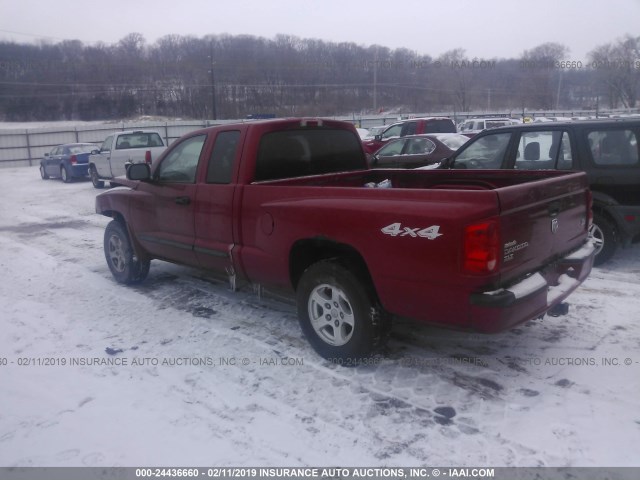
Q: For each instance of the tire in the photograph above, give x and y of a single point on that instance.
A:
(339, 313)
(95, 180)
(605, 236)
(124, 265)
(64, 175)
(43, 173)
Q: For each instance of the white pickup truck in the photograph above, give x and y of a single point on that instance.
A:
(120, 149)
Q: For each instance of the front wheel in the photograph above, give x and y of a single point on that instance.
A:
(43, 173)
(95, 180)
(124, 265)
(339, 313)
(605, 237)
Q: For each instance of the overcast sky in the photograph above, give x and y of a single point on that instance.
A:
(485, 29)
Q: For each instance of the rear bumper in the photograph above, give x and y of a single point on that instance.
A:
(80, 170)
(494, 311)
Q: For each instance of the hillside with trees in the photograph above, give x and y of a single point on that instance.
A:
(222, 76)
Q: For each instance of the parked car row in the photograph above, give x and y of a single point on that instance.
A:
(102, 162)
(381, 143)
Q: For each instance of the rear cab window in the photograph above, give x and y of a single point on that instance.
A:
(139, 140)
(296, 153)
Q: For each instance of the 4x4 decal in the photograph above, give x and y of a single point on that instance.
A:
(397, 230)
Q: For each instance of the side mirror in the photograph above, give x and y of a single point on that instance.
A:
(47, 155)
(95, 152)
(139, 171)
(378, 137)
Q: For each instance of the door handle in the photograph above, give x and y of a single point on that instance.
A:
(182, 200)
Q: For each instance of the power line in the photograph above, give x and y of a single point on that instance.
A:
(36, 35)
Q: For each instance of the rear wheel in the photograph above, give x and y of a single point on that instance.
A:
(43, 173)
(605, 237)
(64, 174)
(124, 265)
(95, 180)
(339, 313)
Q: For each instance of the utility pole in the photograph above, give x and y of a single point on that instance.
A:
(559, 87)
(213, 86)
(375, 82)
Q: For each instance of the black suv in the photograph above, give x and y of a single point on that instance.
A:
(607, 150)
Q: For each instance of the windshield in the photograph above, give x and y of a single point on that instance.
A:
(373, 131)
(485, 152)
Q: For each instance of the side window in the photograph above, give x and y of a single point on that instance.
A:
(392, 148)
(392, 132)
(544, 150)
(613, 147)
(419, 146)
(106, 145)
(486, 152)
(440, 126)
(224, 152)
(409, 128)
(180, 165)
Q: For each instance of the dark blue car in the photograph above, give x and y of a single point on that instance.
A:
(67, 161)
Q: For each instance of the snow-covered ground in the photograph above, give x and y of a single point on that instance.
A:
(539, 395)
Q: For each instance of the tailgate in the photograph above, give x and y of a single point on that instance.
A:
(541, 221)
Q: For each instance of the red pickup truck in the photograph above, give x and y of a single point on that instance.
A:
(290, 203)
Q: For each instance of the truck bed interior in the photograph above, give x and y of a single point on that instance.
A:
(419, 179)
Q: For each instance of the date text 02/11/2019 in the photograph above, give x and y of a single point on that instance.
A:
(117, 361)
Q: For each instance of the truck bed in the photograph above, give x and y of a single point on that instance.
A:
(527, 206)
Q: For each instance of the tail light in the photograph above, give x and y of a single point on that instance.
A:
(73, 160)
(481, 248)
(147, 157)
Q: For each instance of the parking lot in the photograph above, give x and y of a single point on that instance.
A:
(182, 371)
